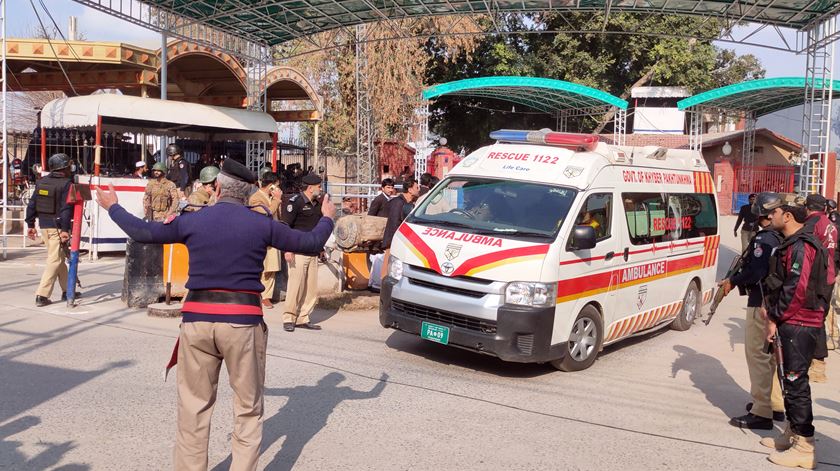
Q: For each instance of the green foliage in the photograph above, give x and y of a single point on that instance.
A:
(651, 48)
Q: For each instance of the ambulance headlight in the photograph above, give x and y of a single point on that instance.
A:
(395, 268)
(530, 294)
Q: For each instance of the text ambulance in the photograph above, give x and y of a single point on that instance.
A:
(545, 246)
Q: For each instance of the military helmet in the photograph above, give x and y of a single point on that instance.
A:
(159, 166)
(832, 205)
(58, 162)
(208, 174)
(264, 170)
(173, 149)
(766, 202)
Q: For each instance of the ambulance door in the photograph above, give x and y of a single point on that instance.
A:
(587, 275)
(644, 295)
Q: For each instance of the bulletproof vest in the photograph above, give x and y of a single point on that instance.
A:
(160, 197)
(818, 293)
(48, 194)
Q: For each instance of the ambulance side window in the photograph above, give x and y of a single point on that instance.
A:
(646, 213)
(597, 212)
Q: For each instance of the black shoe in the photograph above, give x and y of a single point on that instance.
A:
(752, 422)
(309, 326)
(778, 416)
(41, 301)
(76, 295)
(289, 326)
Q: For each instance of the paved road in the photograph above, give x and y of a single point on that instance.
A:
(84, 390)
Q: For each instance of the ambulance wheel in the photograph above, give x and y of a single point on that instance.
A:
(584, 342)
(690, 309)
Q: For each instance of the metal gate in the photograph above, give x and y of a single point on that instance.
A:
(778, 178)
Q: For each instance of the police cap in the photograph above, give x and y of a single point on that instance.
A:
(58, 162)
(311, 179)
(815, 202)
(831, 204)
(208, 174)
(234, 169)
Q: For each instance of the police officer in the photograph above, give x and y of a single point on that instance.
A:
(179, 172)
(222, 318)
(796, 301)
(767, 402)
(267, 201)
(49, 206)
(302, 212)
(206, 194)
(160, 198)
(826, 232)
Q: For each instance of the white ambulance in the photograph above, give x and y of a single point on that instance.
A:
(547, 246)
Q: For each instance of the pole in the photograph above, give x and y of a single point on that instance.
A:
(75, 239)
(97, 151)
(315, 149)
(169, 274)
(274, 152)
(5, 136)
(163, 85)
(43, 149)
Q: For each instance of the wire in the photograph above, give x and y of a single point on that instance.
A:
(60, 65)
(58, 30)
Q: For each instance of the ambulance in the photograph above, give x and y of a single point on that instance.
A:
(547, 246)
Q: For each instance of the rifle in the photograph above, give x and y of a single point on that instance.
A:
(780, 361)
(735, 267)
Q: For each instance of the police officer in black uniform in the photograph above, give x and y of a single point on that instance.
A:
(302, 212)
(767, 404)
(179, 170)
(49, 206)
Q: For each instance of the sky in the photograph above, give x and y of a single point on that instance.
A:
(98, 26)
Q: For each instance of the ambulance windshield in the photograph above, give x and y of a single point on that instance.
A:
(500, 207)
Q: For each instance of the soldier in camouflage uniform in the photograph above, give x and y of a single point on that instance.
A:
(161, 197)
(206, 194)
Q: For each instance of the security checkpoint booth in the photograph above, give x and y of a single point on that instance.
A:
(812, 170)
(143, 122)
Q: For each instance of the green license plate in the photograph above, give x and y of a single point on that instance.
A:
(434, 332)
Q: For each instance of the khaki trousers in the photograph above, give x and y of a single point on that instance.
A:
(56, 266)
(764, 383)
(746, 237)
(203, 346)
(831, 328)
(268, 279)
(302, 292)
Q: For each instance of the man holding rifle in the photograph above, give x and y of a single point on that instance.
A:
(767, 402)
(796, 300)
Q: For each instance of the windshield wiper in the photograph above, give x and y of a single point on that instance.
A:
(516, 232)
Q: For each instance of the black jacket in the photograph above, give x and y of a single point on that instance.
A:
(757, 265)
(395, 217)
(63, 218)
(379, 206)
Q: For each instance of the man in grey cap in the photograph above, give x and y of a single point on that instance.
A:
(302, 212)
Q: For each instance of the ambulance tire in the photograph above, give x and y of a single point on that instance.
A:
(690, 309)
(587, 325)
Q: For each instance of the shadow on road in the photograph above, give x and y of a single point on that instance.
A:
(448, 355)
(725, 257)
(710, 376)
(49, 455)
(737, 328)
(304, 415)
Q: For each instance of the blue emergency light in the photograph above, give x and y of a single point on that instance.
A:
(546, 137)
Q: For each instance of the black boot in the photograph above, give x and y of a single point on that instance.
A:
(289, 326)
(42, 301)
(752, 422)
(76, 295)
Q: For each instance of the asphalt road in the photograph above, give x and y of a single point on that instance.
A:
(84, 390)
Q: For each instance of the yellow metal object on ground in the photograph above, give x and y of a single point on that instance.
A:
(180, 268)
(356, 272)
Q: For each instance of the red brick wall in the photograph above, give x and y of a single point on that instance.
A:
(396, 156)
(724, 176)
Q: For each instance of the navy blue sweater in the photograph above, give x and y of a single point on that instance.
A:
(227, 243)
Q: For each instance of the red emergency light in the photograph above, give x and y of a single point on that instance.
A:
(573, 141)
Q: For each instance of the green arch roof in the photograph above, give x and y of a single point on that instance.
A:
(547, 95)
(763, 96)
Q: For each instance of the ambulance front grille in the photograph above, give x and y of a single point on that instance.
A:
(438, 316)
(446, 289)
(471, 279)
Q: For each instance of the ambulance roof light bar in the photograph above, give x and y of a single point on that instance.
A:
(545, 136)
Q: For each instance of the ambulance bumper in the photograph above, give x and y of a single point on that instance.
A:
(520, 334)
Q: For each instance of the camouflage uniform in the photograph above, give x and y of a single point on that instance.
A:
(160, 199)
(199, 197)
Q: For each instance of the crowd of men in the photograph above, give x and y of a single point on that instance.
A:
(789, 273)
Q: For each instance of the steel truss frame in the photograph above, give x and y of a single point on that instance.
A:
(816, 120)
(366, 161)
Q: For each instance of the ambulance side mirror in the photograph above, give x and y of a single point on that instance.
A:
(583, 238)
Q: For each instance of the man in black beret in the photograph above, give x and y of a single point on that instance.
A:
(222, 314)
(302, 212)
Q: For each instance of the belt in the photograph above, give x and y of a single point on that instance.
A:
(223, 302)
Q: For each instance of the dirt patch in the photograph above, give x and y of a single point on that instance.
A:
(350, 301)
